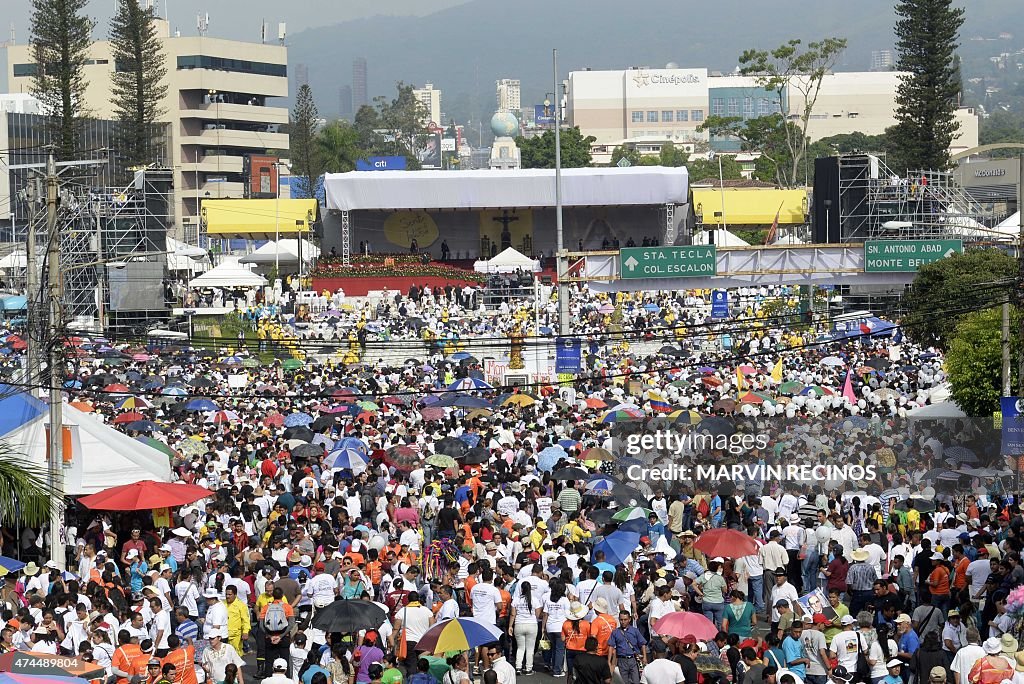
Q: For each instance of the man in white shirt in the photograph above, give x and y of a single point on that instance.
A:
(279, 676)
(782, 590)
(160, 627)
(844, 645)
(449, 609)
(322, 589)
(845, 536)
(486, 601)
(216, 614)
(662, 671)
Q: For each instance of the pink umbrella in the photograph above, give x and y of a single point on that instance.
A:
(684, 623)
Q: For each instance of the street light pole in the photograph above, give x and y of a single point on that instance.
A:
(561, 260)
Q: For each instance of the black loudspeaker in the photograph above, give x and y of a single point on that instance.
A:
(826, 228)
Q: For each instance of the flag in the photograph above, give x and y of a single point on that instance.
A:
(739, 380)
(658, 402)
(848, 389)
(777, 371)
(773, 232)
(866, 327)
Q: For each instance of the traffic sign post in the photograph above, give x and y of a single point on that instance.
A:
(687, 261)
(906, 256)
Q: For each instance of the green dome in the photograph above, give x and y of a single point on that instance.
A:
(504, 125)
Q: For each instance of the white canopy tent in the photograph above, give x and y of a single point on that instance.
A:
(943, 410)
(229, 274)
(289, 253)
(723, 238)
(16, 259)
(508, 261)
(100, 456)
(183, 257)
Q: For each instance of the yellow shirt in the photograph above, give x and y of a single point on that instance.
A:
(238, 618)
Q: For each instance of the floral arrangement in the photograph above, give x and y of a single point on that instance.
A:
(404, 266)
(1015, 602)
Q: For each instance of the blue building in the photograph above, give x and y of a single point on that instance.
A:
(735, 96)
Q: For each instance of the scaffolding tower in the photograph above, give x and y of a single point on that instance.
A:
(875, 203)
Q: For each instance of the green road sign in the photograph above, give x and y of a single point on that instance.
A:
(906, 256)
(668, 262)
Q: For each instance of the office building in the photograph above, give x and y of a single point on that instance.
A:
(216, 105)
(360, 95)
(508, 95)
(301, 75)
(881, 60)
(430, 98)
(345, 102)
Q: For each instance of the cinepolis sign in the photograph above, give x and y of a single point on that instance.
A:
(644, 78)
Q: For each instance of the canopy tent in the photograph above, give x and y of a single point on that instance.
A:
(789, 240)
(229, 274)
(944, 410)
(96, 456)
(16, 259)
(288, 254)
(259, 219)
(723, 238)
(508, 261)
(750, 206)
(487, 189)
(1010, 227)
(183, 257)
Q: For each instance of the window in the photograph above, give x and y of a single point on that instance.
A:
(717, 107)
(697, 114)
(748, 107)
(241, 66)
(764, 107)
(682, 115)
(637, 117)
(734, 106)
(666, 116)
(21, 70)
(652, 117)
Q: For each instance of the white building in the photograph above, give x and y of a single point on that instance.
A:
(19, 103)
(217, 105)
(508, 95)
(430, 98)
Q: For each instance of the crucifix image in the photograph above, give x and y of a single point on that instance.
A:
(506, 234)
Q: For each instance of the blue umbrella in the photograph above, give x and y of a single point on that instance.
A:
(599, 486)
(469, 383)
(151, 386)
(324, 440)
(549, 456)
(73, 384)
(459, 356)
(617, 546)
(297, 420)
(197, 404)
(568, 443)
(11, 564)
(465, 401)
(143, 426)
(353, 443)
(175, 392)
(652, 307)
(958, 455)
(471, 439)
(346, 459)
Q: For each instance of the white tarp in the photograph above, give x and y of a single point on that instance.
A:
(183, 257)
(102, 457)
(229, 274)
(508, 261)
(723, 238)
(289, 253)
(16, 259)
(486, 189)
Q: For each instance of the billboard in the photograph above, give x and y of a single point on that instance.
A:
(262, 179)
(428, 150)
(544, 115)
(381, 164)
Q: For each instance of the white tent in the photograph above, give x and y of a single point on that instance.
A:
(183, 257)
(16, 259)
(289, 253)
(789, 240)
(101, 456)
(723, 238)
(508, 261)
(229, 274)
(943, 410)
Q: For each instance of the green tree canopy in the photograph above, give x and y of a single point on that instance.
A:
(539, 152)
(707, 169)
(927, 37)
(974, 360)
(138, 84)
(944, 291)
(305, 153)
(1002, 127)
(338, 147)
(630, 154)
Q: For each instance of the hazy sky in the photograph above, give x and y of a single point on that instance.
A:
(237, 19)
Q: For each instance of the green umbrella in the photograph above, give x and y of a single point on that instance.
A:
(250, 363)
(158, 445)
(632, 513)
(191, 447)
(791, 387)
(441, 461)
(368, 406)
(291, 364)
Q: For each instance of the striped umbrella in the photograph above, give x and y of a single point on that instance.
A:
(346, 459)
(457, 634)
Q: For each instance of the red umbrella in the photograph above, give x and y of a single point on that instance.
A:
(720, 541)
(274, 420)
(684, 624)
(147, 494)
(129, 417)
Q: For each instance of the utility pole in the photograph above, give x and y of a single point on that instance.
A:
(32, 193)
(561, 261)
(56, 363)
(1019, 291)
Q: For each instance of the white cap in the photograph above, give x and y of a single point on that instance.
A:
(280, 665)
(847, 620)
(133, 553)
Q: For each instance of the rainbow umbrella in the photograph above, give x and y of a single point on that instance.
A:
(621, 415)
(458, 634)
(132, 403)
(684, 417)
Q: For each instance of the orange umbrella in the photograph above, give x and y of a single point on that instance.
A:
(595, 403)
(129, 417)
(83, 406)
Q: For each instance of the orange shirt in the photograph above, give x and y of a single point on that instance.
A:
(939, 580)
(506, 601)
(469, 583)
(373, 568)
(288, 610)
(575, 639)
(602, 628)
(476, 485)
(960, 578)
(183, 660)
(129, 658)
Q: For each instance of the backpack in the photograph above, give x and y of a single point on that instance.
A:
(367, 503)
(275, 620)
(704, 508)
(863, 670)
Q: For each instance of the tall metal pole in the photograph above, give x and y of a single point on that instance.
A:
(1020, 281)
(1007, 388)
(721, 188)
(56, 363)
(277, 229)
(562, 261)
(34, 192)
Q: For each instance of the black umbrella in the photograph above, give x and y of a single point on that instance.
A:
(475, 456)
(299, 432)
(877, 363)
(716, 425)
(201, 381)
(451, 446)
(669, 350)
(922, 505)
(414, 362)
(601, 516)
(323, 423)
(349, 616)
(570, 474)
(308, 451)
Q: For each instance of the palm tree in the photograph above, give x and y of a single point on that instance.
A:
(26, 494)
(339, 147)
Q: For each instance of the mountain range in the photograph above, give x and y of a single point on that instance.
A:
(463, 49)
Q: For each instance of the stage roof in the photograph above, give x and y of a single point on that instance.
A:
(485, 189)
(257, 219)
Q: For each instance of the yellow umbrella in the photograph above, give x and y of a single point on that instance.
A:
(520, 400)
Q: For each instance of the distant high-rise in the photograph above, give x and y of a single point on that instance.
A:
(430, 98)
(508, 95)
(359, 91)
(881, 60)
(301, 75)
(345, 102)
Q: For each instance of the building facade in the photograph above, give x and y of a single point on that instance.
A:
(508, 95)
(430, 98)
(216, 105)
(360, 79)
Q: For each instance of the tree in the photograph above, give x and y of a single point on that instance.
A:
(672, 156)
(852, 143)
(794, 75)
(927, 35)
(974, 361)
(1002, 127)
(539, 152)
(945, 290)
(137, 85)
(366, 123)
(305, 150)
(337, 147)
(402, 121)
(25, 491)
(628, 153)
(60, 38)
(707, 169)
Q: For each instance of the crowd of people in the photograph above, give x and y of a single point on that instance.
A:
(419, 487)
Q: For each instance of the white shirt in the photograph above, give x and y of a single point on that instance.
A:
(505, 670)
(321, 589)
(215, 660)
(786, 591)
(485, 599)
(216, 616)
(449, 610)
(662, 671)
(161, 623)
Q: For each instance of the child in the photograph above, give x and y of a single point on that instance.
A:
(894, 666)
